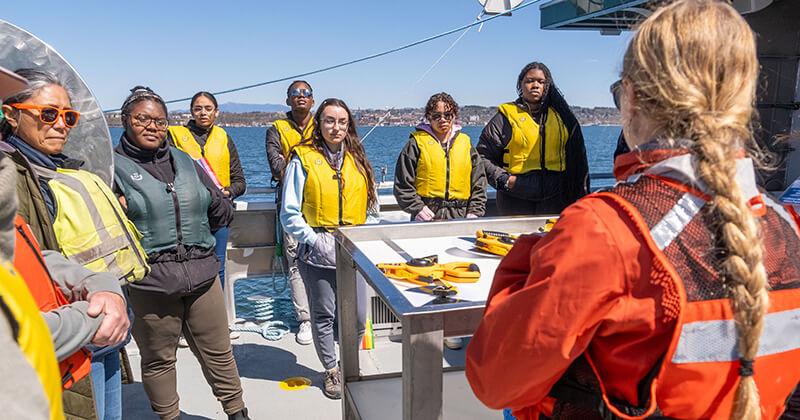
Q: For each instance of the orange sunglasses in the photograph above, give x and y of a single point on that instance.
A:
(49, 114)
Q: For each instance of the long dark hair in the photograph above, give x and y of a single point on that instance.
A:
(352, 145)
(552, 94)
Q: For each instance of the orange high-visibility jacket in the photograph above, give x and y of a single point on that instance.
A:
(620, 310)
(28, 261)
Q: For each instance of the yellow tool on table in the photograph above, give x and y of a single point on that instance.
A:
(548, 225)
(494, 242)
(434, 278)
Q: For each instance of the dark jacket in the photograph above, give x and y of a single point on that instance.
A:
(198, 267)
(405, 174)
(32, 204)
(238, 183)
(539, 185)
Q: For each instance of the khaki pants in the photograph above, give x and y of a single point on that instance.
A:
(160, 320)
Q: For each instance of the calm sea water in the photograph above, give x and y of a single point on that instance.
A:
(382, 146)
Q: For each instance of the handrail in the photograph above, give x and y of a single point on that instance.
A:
(389, 184)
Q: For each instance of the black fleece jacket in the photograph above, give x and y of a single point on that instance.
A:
(571, 184)
(182, 269)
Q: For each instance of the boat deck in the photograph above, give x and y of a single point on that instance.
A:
(263, 364)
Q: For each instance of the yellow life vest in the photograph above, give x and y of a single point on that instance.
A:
(91, 228)
(290, 137)
(524, 151)
(441, 174)
(215, 150)
(33, 336)
(332, 198)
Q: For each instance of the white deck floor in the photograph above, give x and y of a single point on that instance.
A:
(262, 365)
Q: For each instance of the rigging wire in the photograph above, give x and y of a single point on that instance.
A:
(358, 60)
(432, 66)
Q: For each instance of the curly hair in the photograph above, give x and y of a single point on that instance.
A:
(445, 97)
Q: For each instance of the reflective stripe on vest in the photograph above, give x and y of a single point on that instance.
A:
(152, 204)
(698, 376)
(32, 336)
(91, 227)
(290, 135)
(441, 174)
(332, 198)
(523, 153)
(29, 263)
(676, 220)
(215, 150)
(718, 341)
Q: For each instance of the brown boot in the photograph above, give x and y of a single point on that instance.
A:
(332, 384)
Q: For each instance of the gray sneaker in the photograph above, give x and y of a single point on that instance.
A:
(332, 385)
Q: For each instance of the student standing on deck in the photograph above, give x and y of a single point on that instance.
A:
(282, 136)
(676, 293)
(176, 207)
(202, 139)
(439, 175)
(533, 149)
(328, 183)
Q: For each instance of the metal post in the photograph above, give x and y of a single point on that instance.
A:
(422, 366)
(346, 307)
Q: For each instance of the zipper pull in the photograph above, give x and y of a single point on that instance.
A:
(170, 188)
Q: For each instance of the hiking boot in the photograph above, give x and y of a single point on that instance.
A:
(453, 343)
(304, 336)
(241, 415)
(332, 385)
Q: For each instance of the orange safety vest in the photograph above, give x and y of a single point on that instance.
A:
(28, 261)
(699, 373)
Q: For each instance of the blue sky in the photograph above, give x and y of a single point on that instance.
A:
(180, 47)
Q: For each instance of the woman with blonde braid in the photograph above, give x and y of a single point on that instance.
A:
(677, 292)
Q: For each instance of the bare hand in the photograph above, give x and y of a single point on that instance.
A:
(511, 181)
(471, 216)
(226, 193)
(114, 327)
(123, 202)
(424, 215)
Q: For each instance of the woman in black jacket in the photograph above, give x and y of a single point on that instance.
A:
(176, 207)
(533, 149)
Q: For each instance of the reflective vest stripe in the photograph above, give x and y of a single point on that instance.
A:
(782, 211)
(676, 219)
(104, 250)
(107, 245)
(717, 340)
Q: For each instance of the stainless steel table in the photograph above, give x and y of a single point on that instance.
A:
(423, 327)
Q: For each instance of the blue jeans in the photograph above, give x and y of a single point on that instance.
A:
(221, 236)
(507, 414)
(107, 382)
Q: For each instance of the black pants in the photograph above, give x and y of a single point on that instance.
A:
(509, 205)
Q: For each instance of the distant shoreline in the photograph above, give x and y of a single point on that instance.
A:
(468, 115)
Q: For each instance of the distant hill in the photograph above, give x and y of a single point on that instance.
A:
(240, 108)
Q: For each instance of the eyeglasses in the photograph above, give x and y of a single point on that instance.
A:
(144, 121)
(330, 122)
(616, 90)
(198, 109)
(49, 114)
(448, 116)
(300, 92)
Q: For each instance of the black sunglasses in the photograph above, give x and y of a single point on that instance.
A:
(300, 92)
(616, 91)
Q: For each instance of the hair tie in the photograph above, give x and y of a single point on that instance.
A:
(745, 367)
